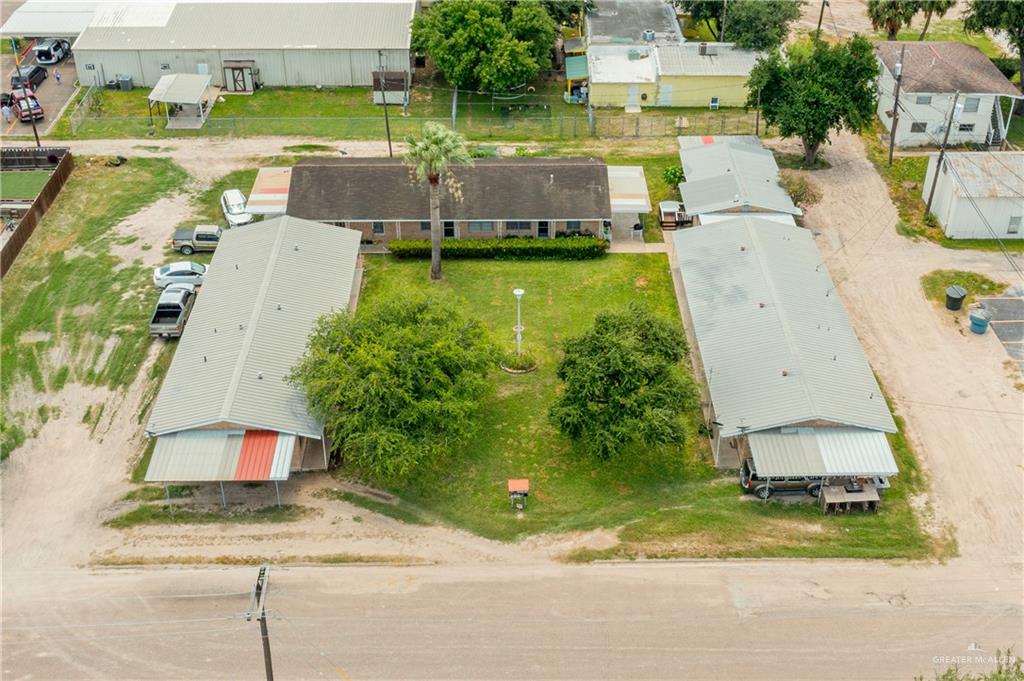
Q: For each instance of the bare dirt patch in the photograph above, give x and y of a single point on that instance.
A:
(30, 337)
(148, 230)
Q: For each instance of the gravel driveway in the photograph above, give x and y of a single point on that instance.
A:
(962, 411)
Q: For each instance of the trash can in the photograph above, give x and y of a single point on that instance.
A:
(955, 297)
(980, 320)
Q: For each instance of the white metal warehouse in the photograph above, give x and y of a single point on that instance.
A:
(244, 45)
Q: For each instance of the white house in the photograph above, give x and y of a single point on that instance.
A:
(932, 73)
(979, 195)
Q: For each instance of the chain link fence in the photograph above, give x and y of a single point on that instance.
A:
(87, 121)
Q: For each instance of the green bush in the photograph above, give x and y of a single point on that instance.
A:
(672, 175)
(1008, 66)
(509, 248)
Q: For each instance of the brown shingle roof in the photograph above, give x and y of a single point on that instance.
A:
(945, 67)
(492, 189)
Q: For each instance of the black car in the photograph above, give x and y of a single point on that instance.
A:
(28, 76)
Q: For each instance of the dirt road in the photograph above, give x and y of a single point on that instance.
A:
(962, 411)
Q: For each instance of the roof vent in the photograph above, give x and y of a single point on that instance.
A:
(743, 248)
(785, 372)
(296, 247)
(761, 305)
(279, 306)
(648, 35)
(259, 375)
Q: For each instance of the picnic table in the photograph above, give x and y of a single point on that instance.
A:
(837, 499)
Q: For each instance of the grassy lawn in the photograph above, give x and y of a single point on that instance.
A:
(160, 514)
(22, 184)
(905, 180)
(669, 502)
(71, 309)
(349, 113)
(936, 282)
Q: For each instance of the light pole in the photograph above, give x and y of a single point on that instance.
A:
(518, 328)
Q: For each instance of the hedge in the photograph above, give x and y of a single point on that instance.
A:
(510, 248)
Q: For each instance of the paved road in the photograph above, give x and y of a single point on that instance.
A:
(650, 621)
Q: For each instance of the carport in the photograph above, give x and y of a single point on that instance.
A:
(627, 191)
(184, 96)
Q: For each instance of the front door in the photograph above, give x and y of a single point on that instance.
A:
(449, 229)
(543, 231)
(237, 80)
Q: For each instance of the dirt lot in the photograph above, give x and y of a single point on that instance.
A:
(962, 410)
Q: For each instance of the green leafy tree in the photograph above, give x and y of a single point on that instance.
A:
(471, 44)
(530, 23)
(933, 7)
(710, 12)
(430, 158)
(815, 89)
(1001, 17)
(623, 384)
(760, 24)
(568, 12)
(397, 384)
(755, 24)
(892, 15)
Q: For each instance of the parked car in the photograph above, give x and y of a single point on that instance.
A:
(232, 202)
(28, 109)
(51, 50)
(9, 98)
(764, 487)
(172, 310)
(185, 272)
(202, 238)
(28, 76)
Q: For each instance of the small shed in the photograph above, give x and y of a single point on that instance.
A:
(186, 98)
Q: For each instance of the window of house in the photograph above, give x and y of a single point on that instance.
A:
(378, 228)
(572, 226)
(336, 223)
(518, 225)
(966, 127)
(971, 104)
(481, 226)
(424, 225)
(1014, 227)
(924, 99)
(918, 127)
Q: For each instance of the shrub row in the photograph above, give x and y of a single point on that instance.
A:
(512, 248)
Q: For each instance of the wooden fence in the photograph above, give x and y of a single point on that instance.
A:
(45, 158)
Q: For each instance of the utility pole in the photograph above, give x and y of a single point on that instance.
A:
(942, 152)
(896, 104)
(25, 88)
(757, 115)
(257, 607)
(821, 15)
(384, 92)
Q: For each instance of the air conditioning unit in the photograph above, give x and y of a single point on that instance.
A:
(714, 104)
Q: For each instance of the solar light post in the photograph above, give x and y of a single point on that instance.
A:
(518, 328)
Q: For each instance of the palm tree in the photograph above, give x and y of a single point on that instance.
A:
(430, 158)
(929, 7)
(892, 14)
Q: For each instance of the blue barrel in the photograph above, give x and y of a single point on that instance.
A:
(980, 320)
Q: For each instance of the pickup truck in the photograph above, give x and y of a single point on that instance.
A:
(172, 310)
(202, 238)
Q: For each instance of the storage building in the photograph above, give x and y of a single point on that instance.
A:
(979, 194)
(245, 45)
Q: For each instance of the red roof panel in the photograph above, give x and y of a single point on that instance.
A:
(257, 455)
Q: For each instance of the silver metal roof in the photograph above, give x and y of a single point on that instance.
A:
(213, 455)
(828, 452)
(775, 342)
(249, 26)
(723, 59)
(988, 175)
(268, 282)
(180, 88)
(732, 174)
(58, 19)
